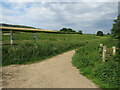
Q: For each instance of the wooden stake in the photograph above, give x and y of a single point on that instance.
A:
(104, 53)
(101, 45)
(114, 50)
(11, 37)
(35, 36)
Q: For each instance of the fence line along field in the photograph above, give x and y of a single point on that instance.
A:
(27, 50)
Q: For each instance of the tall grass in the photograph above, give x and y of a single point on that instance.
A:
(31, 52)
(88, 60)
(26, 50)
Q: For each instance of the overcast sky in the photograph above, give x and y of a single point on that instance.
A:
(86, 16)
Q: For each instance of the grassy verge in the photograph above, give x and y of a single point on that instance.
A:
(88, 60)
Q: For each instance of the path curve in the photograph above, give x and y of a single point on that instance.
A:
(56, 72)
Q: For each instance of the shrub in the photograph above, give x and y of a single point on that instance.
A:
(99, 33)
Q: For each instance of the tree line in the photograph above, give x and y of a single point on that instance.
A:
(69, 30)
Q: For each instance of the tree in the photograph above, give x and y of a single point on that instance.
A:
(67, 30)
(71, 30)
(63, 29)
(80, 32)
(115, 31)
(100, 33)
(108, 33)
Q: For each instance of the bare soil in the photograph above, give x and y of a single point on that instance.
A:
(56, 72)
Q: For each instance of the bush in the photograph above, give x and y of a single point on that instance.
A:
(99, 33)
(80, 32)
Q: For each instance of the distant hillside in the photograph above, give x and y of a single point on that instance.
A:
(19, 26)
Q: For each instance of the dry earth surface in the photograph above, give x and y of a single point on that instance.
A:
(56, 72)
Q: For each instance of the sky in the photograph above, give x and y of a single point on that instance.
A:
(88, 16)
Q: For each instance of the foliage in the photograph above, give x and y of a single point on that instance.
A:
(26, 50)
(70, 30)
(80, 32)
(99, 33)
(67, 30)
(89, 61)
(116, 28)
(31, 52)
(108, 33)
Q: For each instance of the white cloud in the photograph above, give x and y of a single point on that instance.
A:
(62, 0)
(57, 15)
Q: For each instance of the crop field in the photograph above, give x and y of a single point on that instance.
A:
(26, 50)
(25, 29)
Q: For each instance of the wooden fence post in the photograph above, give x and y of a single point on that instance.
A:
(104, 53)
(11, 37)
(101, 45)
(35, 36)
(114, 50)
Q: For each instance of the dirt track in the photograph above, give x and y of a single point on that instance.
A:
(56, 72)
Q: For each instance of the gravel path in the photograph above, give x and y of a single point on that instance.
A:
(56, 72)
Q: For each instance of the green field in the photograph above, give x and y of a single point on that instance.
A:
(26, 50)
